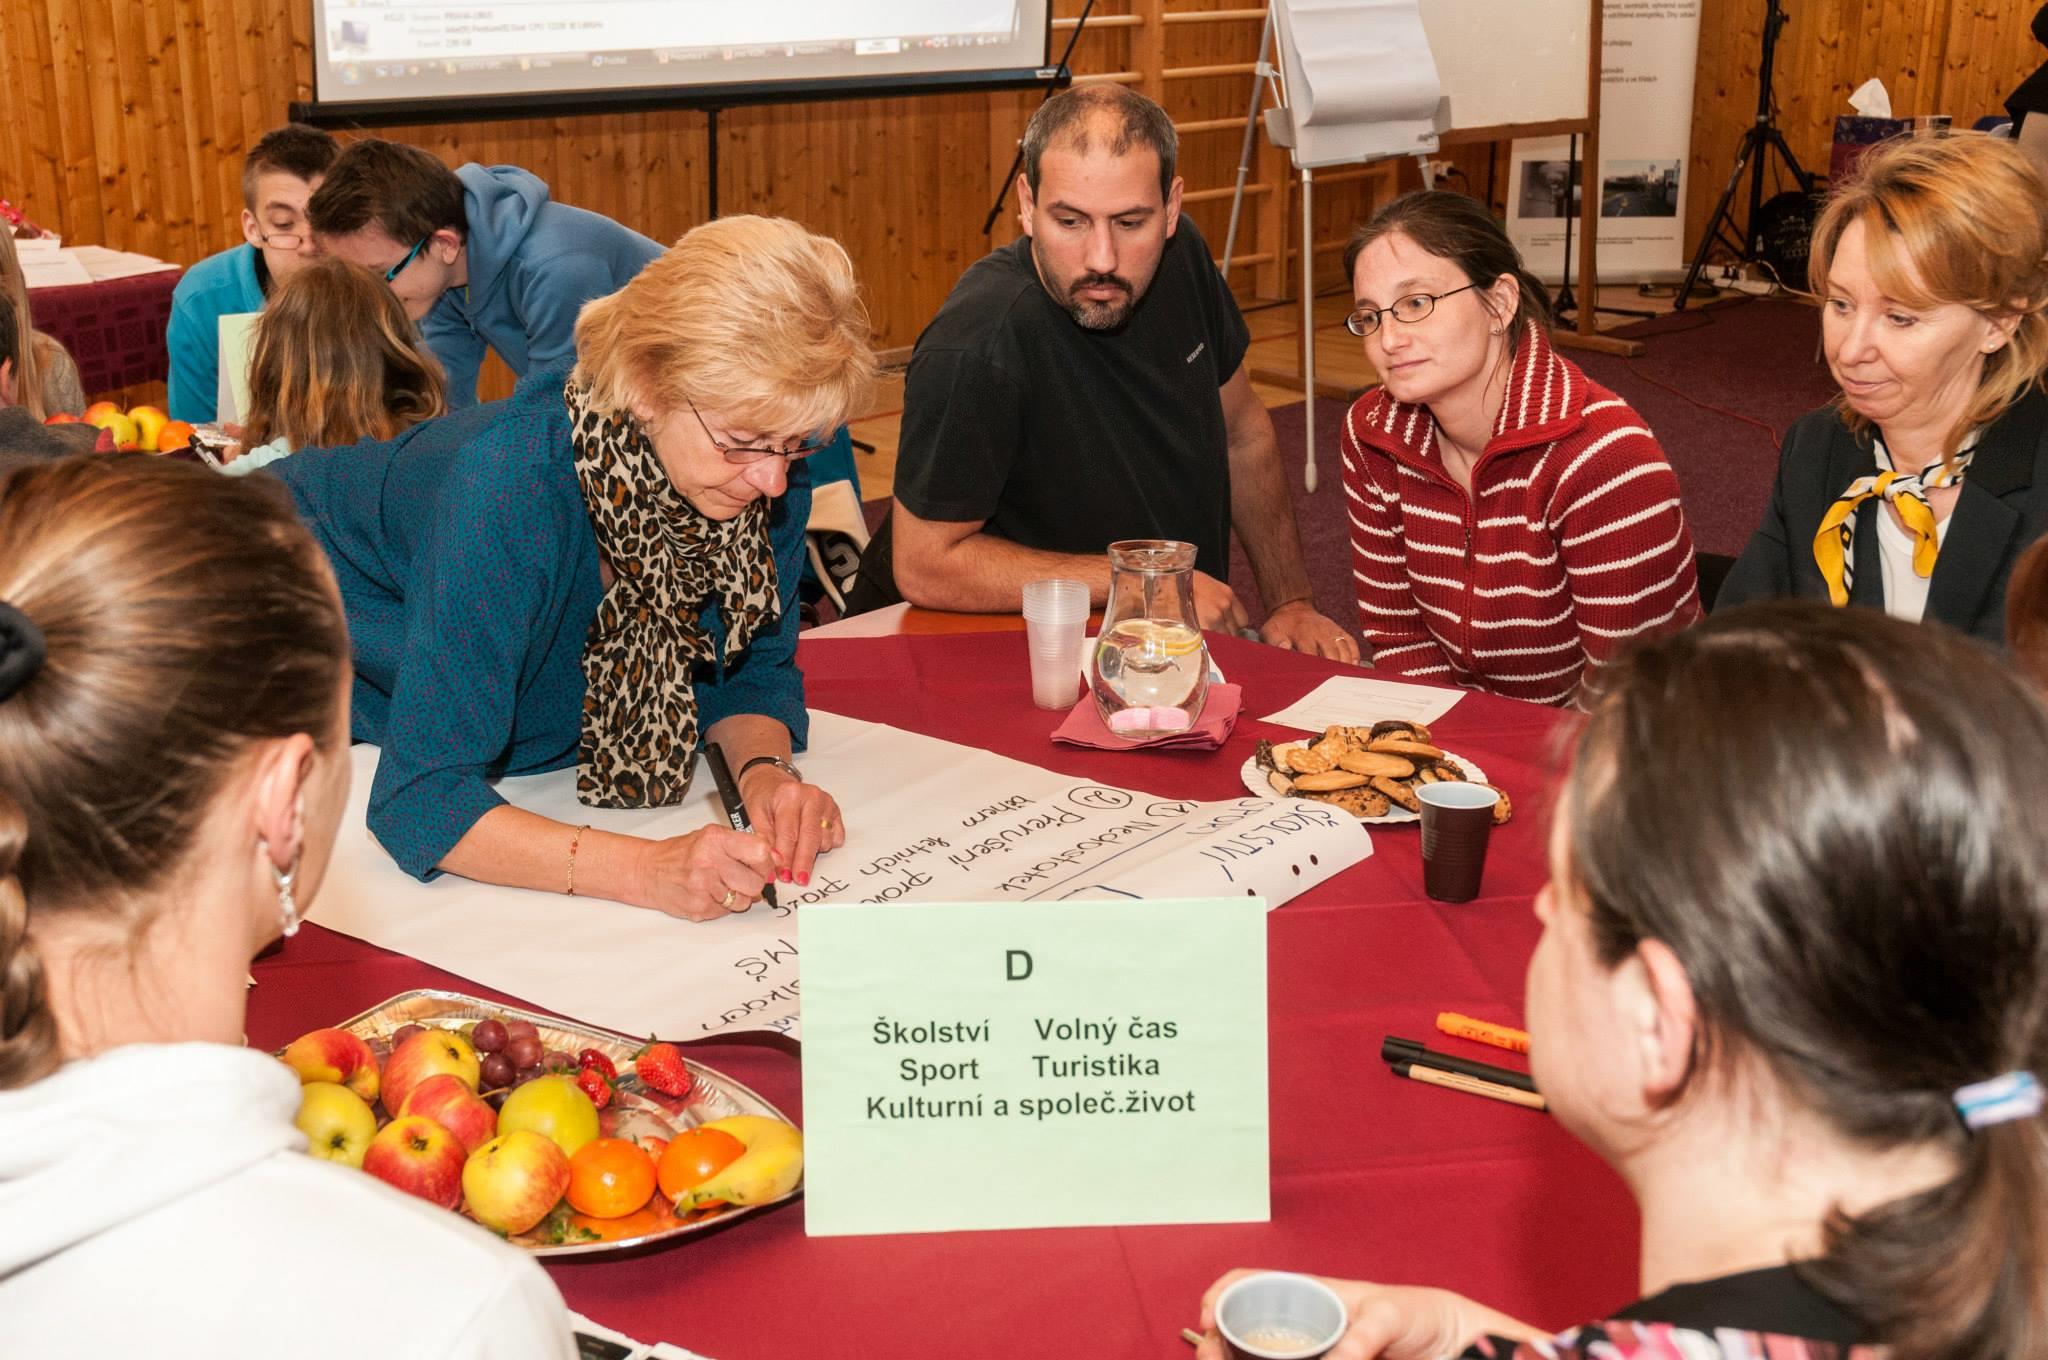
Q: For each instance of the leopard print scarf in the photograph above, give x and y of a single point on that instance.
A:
(639, 729)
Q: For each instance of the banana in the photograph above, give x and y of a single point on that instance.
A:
(767, 1171)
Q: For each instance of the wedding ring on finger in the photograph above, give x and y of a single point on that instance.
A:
(728, 899)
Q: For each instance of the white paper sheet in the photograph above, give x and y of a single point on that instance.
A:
(53, 269)
(237, 340)
(927, 821)
(104, 264)
(1360, 703)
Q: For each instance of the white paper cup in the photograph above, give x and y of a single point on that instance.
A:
(1055, 627)
(1280, 1316)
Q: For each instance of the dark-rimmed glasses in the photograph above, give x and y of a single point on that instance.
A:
(747, 453)
(1407, 310)
(283, 240)
(395, 270)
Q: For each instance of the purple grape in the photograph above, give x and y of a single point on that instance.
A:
(521, 1029)
(524, 1051)
(524, 1075)
(405, 1032)
(558, 1060)
(489, 1036)
(497, 1070)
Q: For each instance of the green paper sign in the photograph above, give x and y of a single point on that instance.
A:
(1033, 1064)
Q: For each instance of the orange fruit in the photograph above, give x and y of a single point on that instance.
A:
(695, 1155)
(610, 1178)
(176, 435)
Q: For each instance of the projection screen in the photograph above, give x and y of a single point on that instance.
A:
(402, 57)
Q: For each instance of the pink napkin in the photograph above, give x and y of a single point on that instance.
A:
(1084, 726)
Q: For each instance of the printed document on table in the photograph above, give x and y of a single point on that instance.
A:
(1360, 703)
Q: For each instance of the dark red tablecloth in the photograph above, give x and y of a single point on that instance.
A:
(1373, 1177)
(115, 329)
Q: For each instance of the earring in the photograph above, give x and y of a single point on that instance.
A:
(287, 909)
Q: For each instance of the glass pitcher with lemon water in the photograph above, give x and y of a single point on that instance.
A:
(1150, 672)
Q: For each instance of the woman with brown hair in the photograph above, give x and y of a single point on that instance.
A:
(173, 764)
(1802, 1009)
(1513, 523)
(601, 572)
(46, 378)
(1919, 488)
(335, 361)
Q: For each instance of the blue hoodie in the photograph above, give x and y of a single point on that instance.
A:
(532, 264)
(219, 285)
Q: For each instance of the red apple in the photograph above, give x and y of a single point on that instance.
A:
(419, 1157)
(426, 1054)
(61, 418)
(334, 1055)
(445, 1100)
(100, 408)
(513, 1181)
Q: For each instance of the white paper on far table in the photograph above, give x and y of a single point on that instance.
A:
(927, 821)
(103, 264)
(53, 269)
(1360, 703)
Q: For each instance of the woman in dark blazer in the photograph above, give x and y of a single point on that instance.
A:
(1917, 491)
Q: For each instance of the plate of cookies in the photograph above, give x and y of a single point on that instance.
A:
(1370, 772)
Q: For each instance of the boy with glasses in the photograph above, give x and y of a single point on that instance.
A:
(279, 175)
(480, 257)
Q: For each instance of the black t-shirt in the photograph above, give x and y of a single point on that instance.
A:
(1774, 1300)
(1069, 439)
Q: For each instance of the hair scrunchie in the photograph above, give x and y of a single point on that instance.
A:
(21, 650)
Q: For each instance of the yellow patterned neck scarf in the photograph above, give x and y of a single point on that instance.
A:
(639, 731)
(1834, 547)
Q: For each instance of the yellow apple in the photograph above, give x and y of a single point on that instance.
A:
(513, 1181)
(149, 424)
(115, 421)
(337, 1122)
(554, 1107)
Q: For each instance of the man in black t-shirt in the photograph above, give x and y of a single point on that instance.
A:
(1086, 384)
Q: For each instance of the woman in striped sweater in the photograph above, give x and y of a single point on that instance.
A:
(1513, 523)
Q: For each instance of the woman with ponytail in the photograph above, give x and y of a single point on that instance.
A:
(1513, 523)
(1793, 987)
(173, 764)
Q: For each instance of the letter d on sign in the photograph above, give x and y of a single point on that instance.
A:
(1013, 960)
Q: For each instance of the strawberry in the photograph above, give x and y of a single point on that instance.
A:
(596, 1085)
(590, 1057)
(661, 1068)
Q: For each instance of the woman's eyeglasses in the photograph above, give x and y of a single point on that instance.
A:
(747, 453)
(1408, 310)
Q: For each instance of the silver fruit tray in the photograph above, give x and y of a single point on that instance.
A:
(635, 1110)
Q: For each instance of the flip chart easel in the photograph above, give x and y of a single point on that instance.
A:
(1496, 87)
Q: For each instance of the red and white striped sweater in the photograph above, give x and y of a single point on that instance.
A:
(1571, 542)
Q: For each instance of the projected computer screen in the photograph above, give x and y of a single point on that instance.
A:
(380, 51)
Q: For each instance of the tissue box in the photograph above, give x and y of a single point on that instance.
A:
(1855, 136)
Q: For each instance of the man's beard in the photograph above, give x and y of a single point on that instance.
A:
(1091, 316)
(1101, 316)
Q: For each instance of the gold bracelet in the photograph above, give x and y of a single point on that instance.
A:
(574, 841)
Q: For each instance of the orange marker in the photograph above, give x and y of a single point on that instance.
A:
(1483, 1031)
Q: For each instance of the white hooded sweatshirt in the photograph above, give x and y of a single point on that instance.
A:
(157, 1200)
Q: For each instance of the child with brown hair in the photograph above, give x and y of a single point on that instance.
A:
(335, 361)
